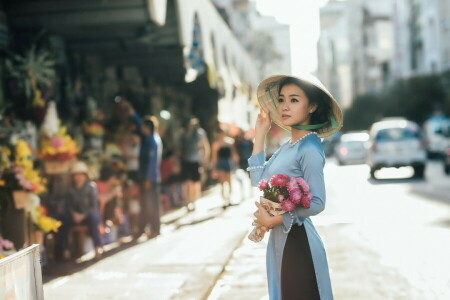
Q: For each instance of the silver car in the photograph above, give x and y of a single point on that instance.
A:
(396, 143)
(351, 148)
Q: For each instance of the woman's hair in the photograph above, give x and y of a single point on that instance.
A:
(315, 96)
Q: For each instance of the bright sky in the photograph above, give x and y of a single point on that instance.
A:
(303, 16)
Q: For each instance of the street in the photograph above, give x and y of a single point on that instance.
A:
(385, 239)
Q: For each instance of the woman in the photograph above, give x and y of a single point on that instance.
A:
(195, 152)
(223, 159)
(296, 260)
(81, 208)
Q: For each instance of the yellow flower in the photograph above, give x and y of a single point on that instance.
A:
(23, 160)
(67, 146)
(48, 224)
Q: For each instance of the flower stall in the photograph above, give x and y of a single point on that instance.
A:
(20, 183)
(57, 148)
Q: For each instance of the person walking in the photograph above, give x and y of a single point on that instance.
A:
(149, 175)
(195, 152)
(224, 159)
(297, 266)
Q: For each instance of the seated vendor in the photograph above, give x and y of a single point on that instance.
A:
(81, 207)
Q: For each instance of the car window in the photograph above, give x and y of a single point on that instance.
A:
(396, 134)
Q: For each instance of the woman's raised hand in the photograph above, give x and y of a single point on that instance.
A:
(263, 122)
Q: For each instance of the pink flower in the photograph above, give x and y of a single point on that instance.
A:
(296, 196)
(287, 205)
(263, 184)
(56, 142)
(302, 184)
(6, 244)
(26, 184)
(306, 200)
(292, 185)
(280, 198)
(279, 180)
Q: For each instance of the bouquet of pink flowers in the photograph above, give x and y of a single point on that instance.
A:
(281, 194)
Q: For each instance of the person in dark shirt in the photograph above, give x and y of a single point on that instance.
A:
(149, 176)
(81, 207)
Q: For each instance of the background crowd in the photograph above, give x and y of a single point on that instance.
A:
(115, 179)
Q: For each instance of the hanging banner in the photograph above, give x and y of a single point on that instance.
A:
(20, 275)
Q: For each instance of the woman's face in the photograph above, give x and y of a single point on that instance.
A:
(293, 106)
(79, 179)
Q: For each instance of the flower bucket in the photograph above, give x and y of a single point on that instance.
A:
(274, 209)
(57, 167)
(21, 199)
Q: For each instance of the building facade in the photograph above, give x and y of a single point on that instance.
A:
(355, 46)
(421, 34)
(334, 60)
(366, 45)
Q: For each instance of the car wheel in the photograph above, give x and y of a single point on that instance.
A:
(419, 171)
(447, 169)
(372, 173)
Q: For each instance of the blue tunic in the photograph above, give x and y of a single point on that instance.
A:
(304, 159)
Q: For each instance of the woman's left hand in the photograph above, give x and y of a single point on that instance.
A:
(262, 217)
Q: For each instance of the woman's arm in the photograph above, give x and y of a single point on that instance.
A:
(258, 158)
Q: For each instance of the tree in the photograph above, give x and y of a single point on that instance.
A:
(366, 110)
(414, 98)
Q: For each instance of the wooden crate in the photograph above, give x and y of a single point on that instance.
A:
(56, 167)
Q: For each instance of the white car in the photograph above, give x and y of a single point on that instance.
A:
(435, 129)
(351, 148)
(396, 143)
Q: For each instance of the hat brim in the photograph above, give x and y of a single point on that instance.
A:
(268, 89)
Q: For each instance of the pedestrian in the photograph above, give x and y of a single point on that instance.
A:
(195, 153)
(149, 176)
(110, 194)
(244, 146)
(297, 266)
(224, 159)
(81, 207)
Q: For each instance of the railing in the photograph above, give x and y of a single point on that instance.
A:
(20, 275)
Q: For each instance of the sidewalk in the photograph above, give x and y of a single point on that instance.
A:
(244, 276)
(185, 262)
(208, 207)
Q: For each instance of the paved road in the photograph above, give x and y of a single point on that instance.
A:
(386, 239)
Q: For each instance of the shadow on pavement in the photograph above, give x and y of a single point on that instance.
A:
(58, 268)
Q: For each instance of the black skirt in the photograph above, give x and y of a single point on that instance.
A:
(298, 278)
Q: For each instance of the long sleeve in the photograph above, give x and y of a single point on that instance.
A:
(68, 201)
(256, 166)
(312, 161)
(137, 121)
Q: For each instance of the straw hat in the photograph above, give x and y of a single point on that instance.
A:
(267, 93)
(79, 167)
